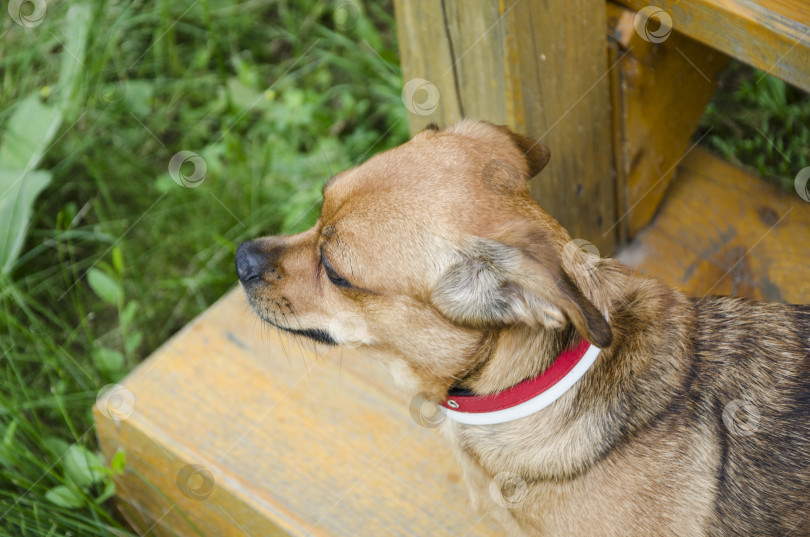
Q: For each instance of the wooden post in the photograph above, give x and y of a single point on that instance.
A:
(538, 67)
(660, 89)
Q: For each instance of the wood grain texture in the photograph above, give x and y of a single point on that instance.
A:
(425, 53)
(538, 67)
(722, 231)
(772, 35)
(662, 91)
(295, 442)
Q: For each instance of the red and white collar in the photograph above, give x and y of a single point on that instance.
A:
(526, 398)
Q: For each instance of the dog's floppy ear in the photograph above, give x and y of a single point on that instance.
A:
(536, 152)
(496, 284)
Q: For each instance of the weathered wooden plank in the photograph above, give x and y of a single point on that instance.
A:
(558, 80)
(722, 231)
(425, 54)
(288, 442)
(772, 35)
(539, 67)
(662, 91)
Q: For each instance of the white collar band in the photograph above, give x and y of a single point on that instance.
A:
(526, 398)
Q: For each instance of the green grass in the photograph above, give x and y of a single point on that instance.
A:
(761, 123)
(273, 96)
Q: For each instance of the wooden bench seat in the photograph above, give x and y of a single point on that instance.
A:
(237, 430)
(723, 231)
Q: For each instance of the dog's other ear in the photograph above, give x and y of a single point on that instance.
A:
(495, 284)
(428, 132)
(536, 152)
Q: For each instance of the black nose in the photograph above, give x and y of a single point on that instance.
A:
(249, 262)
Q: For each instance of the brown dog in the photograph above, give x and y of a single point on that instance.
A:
(693, 419)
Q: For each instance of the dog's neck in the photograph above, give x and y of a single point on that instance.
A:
(508, 356)
(646, 348)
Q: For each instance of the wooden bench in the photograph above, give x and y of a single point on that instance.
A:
(232, 429)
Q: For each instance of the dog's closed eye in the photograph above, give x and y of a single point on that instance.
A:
(332, 274)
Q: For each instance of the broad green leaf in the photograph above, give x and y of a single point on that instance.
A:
(77, 28)
(108, 359)
(104, 286)
(27, 134)
(18, 191)
(82, 466)
(64, 497)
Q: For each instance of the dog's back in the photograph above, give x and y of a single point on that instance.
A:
(752, 386)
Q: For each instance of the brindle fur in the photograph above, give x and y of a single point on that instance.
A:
(462, 280)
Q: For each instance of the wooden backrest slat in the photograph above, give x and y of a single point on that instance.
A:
(772, 35)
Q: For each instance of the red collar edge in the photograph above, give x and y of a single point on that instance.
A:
(522, 392)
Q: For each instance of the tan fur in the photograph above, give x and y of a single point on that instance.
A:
(456, 278)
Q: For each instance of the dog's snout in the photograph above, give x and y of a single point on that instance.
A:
(250, 261)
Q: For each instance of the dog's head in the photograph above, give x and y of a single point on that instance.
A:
(421, 253)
